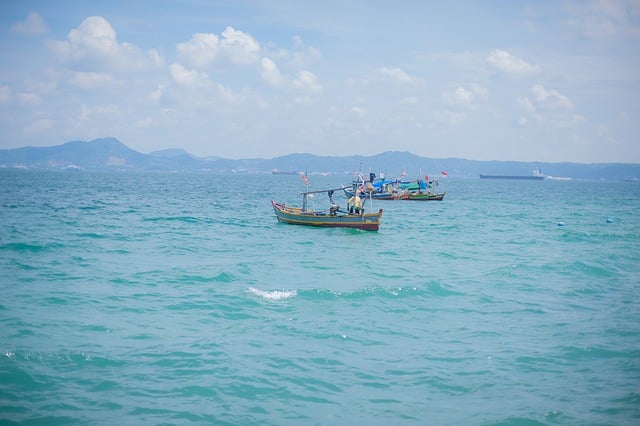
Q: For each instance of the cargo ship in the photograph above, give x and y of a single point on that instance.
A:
(537, 175)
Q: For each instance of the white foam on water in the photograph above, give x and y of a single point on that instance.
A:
(273, 294)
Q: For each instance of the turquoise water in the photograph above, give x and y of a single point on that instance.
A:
(179, 299)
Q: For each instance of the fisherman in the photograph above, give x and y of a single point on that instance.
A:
(334, 207)
(350, 204)
(354, 204)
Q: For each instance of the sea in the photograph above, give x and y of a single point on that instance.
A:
(177, 299)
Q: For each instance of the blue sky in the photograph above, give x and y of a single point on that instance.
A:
(505, 80)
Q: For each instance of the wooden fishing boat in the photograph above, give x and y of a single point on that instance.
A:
(414, 194)
(423, 190)
(373, 189)
(379, 194)
(334, 217)
(425, 196)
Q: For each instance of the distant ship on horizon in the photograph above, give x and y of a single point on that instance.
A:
(537, 175)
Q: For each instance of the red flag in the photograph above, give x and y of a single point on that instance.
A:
(444, 173)
(304, 179)
(426, 178)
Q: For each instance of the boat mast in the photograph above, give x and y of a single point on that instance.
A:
(306, 189)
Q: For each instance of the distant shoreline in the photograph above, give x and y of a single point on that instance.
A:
(111, 155)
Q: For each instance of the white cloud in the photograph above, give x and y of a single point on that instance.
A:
(462, 97)
(303, 56)
(200, 51)
(94, 46)
(227, 95)
(157, 94)
(195, 90)
(32, 25)
(549, 106)
(465, 97)
(298, 57)
(234, 46)
(359, 112)
(397, 75)
(526, 104)
(240, 47)
(307, 81)
(156, 58)
(95, 34)
(270, 72)
(550, 98)
(219, 78)
(509, 64)
(92, 80)
(304, 80)
(184, 77)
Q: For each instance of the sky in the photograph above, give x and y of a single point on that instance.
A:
(551, 81)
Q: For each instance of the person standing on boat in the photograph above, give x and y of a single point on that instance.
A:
(350, 203)
(333, 209)
(354, 205)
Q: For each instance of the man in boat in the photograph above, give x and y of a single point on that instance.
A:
(354, 204)
(333, 210)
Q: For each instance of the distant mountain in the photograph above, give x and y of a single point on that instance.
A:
(97, 154)
(109, 154)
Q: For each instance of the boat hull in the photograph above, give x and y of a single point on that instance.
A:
(424, 196)
(403, 195)
(295, 216)
(379, 195)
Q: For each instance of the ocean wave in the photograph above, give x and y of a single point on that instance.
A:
(428, 290)
(273, 294)
(319, 295)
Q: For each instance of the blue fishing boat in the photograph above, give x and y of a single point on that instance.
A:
(379, 193)
(419, 190)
